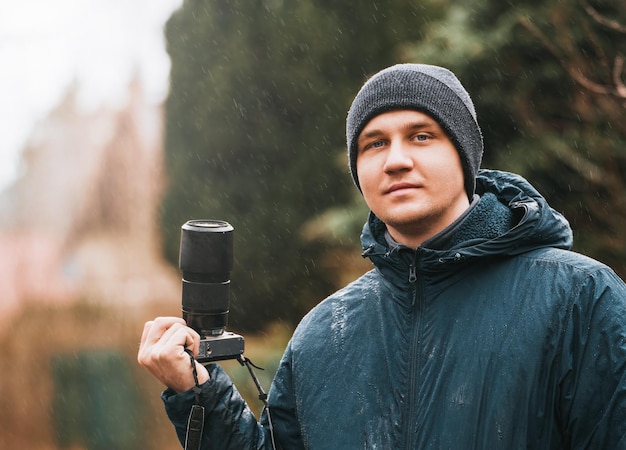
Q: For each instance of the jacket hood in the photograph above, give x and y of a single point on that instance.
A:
(511, 218)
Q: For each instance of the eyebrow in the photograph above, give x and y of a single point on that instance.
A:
(408, 126)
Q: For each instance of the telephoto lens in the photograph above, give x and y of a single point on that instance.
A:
(206, 260)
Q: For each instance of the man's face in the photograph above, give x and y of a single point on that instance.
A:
(410, 174)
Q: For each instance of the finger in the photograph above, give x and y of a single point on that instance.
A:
(182, 336)
(142, 344)
(162, 353)
(152, 333)
(154, 330)
(166, 350)
(146, 330)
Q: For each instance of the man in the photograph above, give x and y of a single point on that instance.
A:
(477, 329)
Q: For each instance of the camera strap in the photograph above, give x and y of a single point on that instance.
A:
(195, 424)
(262, 395)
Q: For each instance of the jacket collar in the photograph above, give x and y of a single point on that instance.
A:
(510, 218)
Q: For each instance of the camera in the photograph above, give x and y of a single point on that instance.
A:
(206, 260)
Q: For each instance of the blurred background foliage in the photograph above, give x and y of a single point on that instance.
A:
(256, 116)
(255, 136)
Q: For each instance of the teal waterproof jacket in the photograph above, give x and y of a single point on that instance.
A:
(492, 335)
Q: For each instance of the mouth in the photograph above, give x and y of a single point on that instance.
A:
(400, 187)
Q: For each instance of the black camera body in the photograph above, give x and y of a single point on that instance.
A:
(206, 260)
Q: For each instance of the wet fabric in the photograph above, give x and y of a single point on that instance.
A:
(504, 340)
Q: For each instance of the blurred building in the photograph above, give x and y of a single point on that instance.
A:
(81, 223)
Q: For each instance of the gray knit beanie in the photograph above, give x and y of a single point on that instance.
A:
(430, 89)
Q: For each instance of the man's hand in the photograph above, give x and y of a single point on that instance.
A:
(162, 353)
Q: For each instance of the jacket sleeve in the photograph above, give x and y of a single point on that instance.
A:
(593, 365)
(229, 423)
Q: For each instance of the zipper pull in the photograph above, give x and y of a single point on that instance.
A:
(412, 274)
(368, 251)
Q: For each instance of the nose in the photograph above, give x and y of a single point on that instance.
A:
(398, 158)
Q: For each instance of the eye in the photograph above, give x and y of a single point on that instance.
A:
(422, 137)
(374, 144)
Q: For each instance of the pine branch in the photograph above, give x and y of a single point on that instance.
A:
(617, 88)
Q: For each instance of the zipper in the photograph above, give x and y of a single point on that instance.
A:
(412, 280)
(412, 275)
(414, 357)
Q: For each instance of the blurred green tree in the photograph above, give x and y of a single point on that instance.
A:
(548, 81)
(255, 132)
